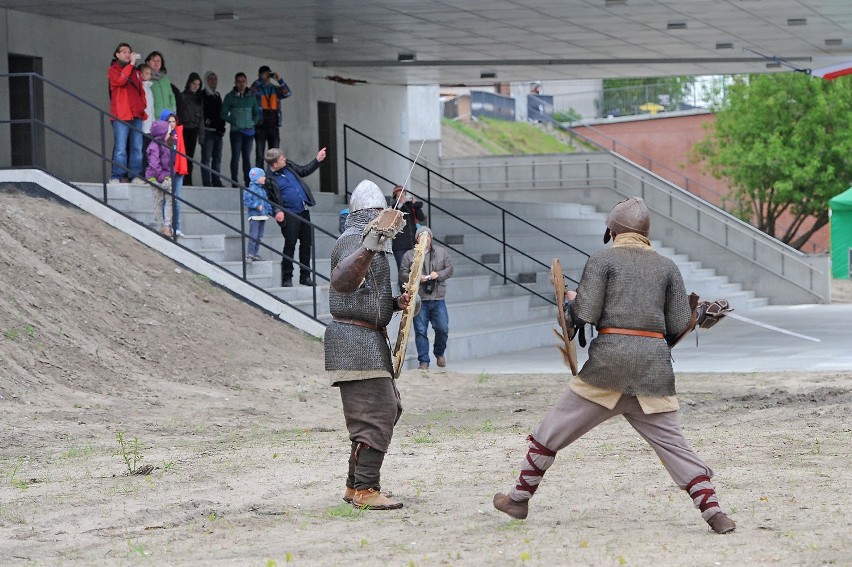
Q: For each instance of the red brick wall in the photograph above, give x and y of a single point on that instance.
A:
(662, 145)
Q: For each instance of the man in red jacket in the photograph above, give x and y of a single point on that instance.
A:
(127, 105)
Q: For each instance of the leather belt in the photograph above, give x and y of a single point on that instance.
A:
(635, 332)
(359, 323)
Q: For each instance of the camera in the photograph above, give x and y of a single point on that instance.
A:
(428, 286)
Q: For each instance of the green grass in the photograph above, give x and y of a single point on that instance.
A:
(501, 137)
(345, 511)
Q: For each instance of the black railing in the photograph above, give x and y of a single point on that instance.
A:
(39, 127)
(502, 239)
(73, 141)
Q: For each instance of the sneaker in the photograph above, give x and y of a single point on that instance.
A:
(167, 231)
(287, 283)
(138, 180)
(114, 181)
(306, 281)
(256, 258)
(179, 233)
(124, 180)
(249, 259)
(442, 362)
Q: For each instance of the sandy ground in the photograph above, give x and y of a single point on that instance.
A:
(100, 336)
(841, 291)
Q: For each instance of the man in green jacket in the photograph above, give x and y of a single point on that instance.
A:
(240, 110)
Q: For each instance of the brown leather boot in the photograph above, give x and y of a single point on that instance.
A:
(721, 523)
(505, 504)
(348, 495)
(372, 499)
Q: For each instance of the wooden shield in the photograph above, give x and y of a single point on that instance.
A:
(568, 348)
(411, 286)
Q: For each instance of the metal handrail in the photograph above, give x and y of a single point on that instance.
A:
(107, 159)
(675, 192)
(502, 240)
(555, 183)
(636, 173)
(689, 183)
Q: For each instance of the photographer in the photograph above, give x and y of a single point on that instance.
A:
(270, 89)
(437, 269)
(414, 215)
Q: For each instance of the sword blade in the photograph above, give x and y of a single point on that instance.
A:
(771, 327)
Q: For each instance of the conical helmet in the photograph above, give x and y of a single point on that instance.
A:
(366, 195)
(629, 215)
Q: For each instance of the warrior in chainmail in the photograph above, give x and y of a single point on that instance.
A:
(637, 300)
(357, 353)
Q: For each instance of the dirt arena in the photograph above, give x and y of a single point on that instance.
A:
(232, 411)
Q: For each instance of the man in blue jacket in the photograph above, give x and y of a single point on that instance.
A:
(290, 199)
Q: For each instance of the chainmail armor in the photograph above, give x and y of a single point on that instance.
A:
(350, 347)
(631, 287)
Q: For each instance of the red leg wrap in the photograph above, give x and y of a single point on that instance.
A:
(533, 470)
(704, 494)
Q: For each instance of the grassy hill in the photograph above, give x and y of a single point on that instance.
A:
(500, 137)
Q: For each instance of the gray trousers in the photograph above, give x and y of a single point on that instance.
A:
(573, 416)
(371, 408)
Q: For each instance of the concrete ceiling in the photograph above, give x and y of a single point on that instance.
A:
(468, 41)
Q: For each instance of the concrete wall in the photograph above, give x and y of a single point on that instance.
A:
(77, 56)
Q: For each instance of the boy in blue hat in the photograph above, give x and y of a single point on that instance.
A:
(258, 210)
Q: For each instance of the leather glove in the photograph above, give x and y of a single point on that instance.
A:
(375, 241)
(382, 229)
(711, 312)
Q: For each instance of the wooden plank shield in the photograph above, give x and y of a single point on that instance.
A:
(412, 286)
(568, 346)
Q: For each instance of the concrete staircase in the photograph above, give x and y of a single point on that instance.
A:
(487, 315)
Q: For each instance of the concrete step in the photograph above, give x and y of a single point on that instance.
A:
(531, 242)
(443, 225)
(538, 210)
(486, 316)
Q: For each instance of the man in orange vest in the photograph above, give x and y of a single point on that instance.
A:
(270, 89)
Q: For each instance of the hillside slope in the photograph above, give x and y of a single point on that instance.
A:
(85, 306)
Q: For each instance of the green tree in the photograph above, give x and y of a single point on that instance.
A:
(784, 143)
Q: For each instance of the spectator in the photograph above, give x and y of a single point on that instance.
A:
(127, 105)
(258, 210)
(290, 199)
(164, 98)
(191, 116)
(214, 130)
(269, 95)
(145, 73)
(158, 173)
(437, 269)
(178, 162)
(240, 110)
(404, 241)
